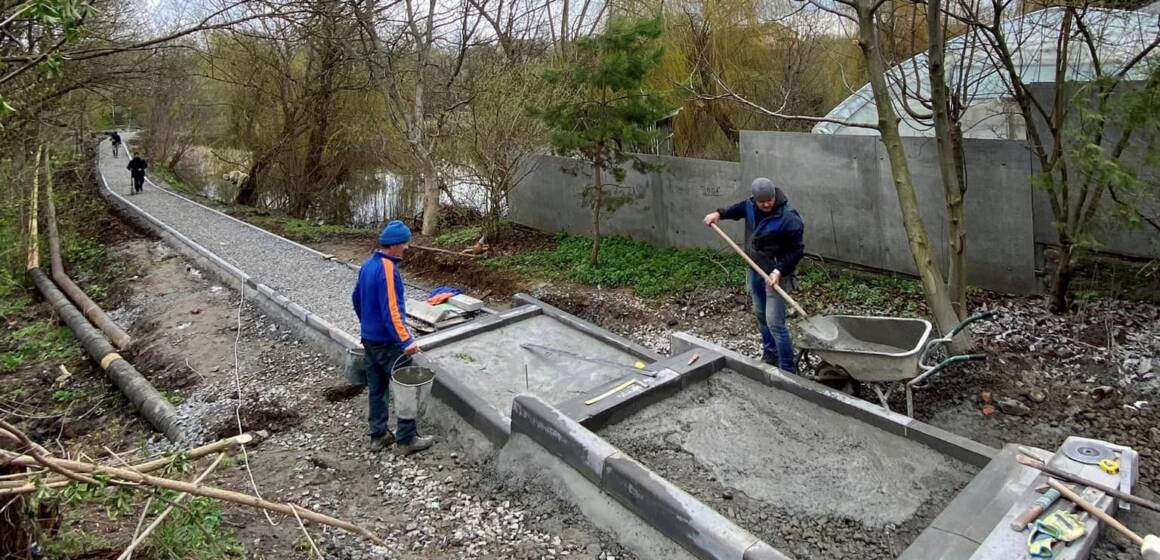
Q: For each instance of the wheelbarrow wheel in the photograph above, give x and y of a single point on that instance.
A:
(835, 377)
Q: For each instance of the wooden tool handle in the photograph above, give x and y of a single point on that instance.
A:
(1035, 463)
(1033, 512)
(758, 269)
(1099, 513)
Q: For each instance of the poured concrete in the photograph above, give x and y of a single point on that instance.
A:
(492, 363)
(807, 480)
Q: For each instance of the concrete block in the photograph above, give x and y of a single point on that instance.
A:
(297, 311)
(563, 437)
(266, 291)
(318, 323)
(466, 303)
(690, 523)
(425, 312)
(474, 410)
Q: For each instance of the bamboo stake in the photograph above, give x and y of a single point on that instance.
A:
(33, 240)
(205, 491)
(165, 513)
(445, 251)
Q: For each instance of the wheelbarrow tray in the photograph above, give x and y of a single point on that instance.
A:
(873, 349)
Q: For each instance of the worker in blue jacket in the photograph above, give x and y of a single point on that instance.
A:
(773, 239)
(381, 309)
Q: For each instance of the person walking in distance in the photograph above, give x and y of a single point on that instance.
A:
(116, 139)
(773, 239)
(381, 310)
(137, 167)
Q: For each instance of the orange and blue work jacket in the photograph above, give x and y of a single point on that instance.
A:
(379, 303)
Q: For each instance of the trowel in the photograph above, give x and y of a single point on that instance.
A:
(820, 328)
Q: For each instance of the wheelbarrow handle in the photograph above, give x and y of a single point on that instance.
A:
(966, 322)
(945, 364)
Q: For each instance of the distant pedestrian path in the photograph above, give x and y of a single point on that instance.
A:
(293, 270)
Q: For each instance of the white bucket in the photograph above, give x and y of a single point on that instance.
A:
(410, 387)
(356, 366)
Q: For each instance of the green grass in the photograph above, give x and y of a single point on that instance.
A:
(460, 237)
(39, 342)
(196, 532)
(304, 231)
(73, 541)
(651, 271)
(166, 175)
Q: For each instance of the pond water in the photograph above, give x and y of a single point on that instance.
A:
(364, 201)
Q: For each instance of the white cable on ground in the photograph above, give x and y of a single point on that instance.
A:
(238, 406)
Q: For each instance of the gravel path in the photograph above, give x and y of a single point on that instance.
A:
(321, 286)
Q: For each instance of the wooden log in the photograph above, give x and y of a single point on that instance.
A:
(151, 404)
(90, 309)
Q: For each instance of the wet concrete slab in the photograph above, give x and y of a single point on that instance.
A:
(809, 481)
(492, 364)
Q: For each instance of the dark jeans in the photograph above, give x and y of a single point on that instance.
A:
(138, 183)
(381, 360)
(770, 310)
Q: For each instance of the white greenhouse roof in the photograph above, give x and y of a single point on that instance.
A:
(974, 70)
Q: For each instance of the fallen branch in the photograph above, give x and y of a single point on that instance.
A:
(445, 251)
(23, 487)
(130, 476)
(137, 540)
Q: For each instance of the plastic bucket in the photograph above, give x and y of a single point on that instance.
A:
(411, 386)
(356, 366)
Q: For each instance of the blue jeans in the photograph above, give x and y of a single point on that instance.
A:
(770, 310)
(380, 361)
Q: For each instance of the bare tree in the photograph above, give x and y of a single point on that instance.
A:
(416, 53)
(1095, 52)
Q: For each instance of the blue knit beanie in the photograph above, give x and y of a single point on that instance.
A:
(396, 233)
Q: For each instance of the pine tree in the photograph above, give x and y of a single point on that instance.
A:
(612, 110)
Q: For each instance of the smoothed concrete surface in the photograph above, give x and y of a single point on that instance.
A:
(805, 479)
(492, 363)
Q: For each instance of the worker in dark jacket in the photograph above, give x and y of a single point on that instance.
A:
(116, 141)
(773, 239)
(381, 310)
(137, 167)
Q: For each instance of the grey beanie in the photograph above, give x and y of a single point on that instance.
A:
(763, 189)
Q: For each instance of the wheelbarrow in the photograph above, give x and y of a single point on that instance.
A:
(882, 352)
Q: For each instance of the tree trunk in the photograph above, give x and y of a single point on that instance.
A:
(935, 289)
(430, 196)
(1061, 279)
(949, 141)
(597, 202)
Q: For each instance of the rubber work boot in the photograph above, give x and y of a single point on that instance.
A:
(382, 442)
(417, 444)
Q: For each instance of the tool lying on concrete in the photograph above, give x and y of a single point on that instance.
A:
(1029, 460)
(1149, 545)
(822, 328)
(1049, 497)
(638, 367)
(611, 392)
(1086, 452)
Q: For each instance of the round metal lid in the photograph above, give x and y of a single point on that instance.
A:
(1086, 452)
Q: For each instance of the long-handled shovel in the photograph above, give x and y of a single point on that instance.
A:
(1149, 544)
(822, 328)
